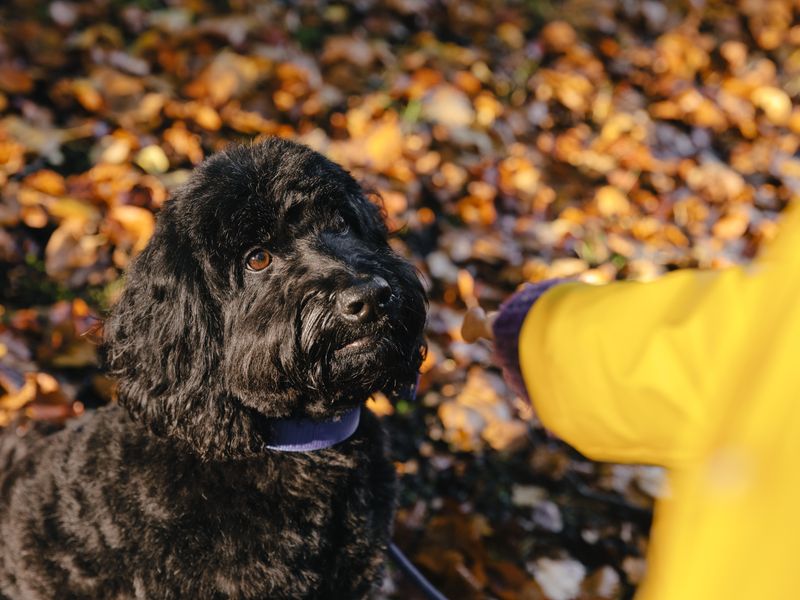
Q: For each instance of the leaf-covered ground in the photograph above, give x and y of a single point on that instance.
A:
(509, 141)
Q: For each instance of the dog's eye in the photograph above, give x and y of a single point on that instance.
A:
(258, 260)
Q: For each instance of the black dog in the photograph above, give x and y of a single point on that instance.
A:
(264, 311)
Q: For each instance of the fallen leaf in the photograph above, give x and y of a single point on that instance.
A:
(560, 579)
(137, 222)
(448, 106)
(775, 103)
(152, 159)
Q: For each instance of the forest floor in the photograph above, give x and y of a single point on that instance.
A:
(508, 141)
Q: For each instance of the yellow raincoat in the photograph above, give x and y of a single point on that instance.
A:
(698, 372)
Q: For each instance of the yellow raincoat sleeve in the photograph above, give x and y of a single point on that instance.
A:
(642, 372)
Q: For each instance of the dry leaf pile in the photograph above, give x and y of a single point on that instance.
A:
(509, 141)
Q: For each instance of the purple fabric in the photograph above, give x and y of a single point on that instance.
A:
(305, 435)
(507, 326)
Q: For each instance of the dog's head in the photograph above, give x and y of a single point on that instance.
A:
(268, 290)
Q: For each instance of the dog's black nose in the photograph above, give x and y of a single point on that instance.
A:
(365, 300)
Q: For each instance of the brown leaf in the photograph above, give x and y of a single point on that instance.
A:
(229, 75)
(559, 36)
(139, 224)
(775, 103)
(611, 201)
(152, 159)
(354, 50)
(383, 142)
(380, 405)
(448, 106)
(70, 248)
(14, 80)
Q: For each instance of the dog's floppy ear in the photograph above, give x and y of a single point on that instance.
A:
(162, 341)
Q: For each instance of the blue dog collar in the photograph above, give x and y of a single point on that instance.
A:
(305, 435)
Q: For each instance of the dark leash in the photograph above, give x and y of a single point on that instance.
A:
(407, 567)
(400, 559)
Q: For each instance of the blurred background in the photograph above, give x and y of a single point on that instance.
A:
(508, 142)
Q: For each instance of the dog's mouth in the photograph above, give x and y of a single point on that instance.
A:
(363, 344)
(356, 345)
(364, 340)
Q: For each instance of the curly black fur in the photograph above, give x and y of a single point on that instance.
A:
(173, 494)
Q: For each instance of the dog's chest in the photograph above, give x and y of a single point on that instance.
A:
(296, 524)
(155, 522)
